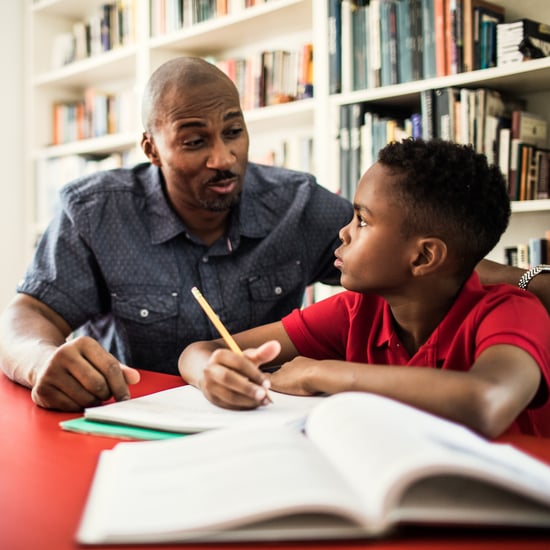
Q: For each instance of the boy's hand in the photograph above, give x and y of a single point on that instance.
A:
(235, 381)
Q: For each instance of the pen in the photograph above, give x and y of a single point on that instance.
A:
(220, 327)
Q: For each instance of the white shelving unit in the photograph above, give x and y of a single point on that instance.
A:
(269, 25)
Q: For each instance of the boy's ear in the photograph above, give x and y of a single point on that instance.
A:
(149, 148)
(431, 253)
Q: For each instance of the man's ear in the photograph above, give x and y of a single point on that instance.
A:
(149, 148)
(431, 253)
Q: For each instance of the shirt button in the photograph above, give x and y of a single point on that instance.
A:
(144, 313)
(205, 259)
(278, 290)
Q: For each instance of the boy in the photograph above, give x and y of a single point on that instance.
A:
(415, 323)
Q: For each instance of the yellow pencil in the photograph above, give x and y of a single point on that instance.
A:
(224, 333)
(220, 327)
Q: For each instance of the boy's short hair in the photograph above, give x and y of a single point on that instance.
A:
(449, 191)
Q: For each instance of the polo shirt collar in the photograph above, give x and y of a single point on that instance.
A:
(441, 337)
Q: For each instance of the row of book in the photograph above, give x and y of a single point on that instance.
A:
(529, 254)
(112, 26)
(167, 16)
(271, 77)
(383, 42)
(97, 114)
(511, 137)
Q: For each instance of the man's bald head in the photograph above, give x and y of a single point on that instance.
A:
(182, 74)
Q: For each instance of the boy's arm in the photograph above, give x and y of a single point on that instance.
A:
(488, 398)
(492, 272)
(232, 380)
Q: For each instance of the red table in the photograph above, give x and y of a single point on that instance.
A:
(45, 475)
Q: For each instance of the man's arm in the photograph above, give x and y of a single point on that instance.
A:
(492, 272)
(66, 375)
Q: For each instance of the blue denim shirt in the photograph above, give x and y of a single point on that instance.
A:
(117, 263)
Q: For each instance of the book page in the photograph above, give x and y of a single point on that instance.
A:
(185, 409)
(199, 486)
(383, 447)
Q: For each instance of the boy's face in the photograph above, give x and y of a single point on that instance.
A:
(374, 256)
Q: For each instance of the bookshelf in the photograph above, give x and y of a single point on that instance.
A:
(267, 25)
(528, 80)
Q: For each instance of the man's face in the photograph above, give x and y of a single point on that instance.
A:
(374, 255)
(201, 145)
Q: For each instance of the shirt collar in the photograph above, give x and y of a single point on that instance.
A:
(255, 216)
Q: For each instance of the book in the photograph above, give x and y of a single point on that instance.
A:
(429, 46)
(511, 35)
(471, 16)
(186, 410)
(334, 46)
(364, 466)
(107, 429)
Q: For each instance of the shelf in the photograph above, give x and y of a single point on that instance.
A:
(100, 145)
(287, 115)
(248, 26)
(66, 8)
(541, 205)
(519, 78)
(113, 65)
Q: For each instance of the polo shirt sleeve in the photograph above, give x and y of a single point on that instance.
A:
(516, 318)
(321, 330)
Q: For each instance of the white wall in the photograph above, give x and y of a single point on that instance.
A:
(12, 217)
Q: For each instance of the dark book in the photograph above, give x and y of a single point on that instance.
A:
(427, 113)
(471, 13)
(356, 113)
(344, 148)
(405, 41)
(359, 45)
(388, 42)
(485, 18)
(334, 46)
(445, 113)
(543, 174)
(428, 36)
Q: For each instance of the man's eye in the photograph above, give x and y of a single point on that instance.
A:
(234, 132)
(193, 142)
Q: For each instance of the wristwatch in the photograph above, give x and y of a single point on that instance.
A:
(533, 272)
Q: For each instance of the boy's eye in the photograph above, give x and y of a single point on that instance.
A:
(362, 222)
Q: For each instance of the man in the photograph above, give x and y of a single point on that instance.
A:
(415, 323)
(119, 260)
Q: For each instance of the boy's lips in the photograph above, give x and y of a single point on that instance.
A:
(338, 263)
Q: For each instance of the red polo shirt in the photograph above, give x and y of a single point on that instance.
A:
(358, 327)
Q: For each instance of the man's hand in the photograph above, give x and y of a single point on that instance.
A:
(80, 374)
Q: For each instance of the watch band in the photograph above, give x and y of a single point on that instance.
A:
(533, 272)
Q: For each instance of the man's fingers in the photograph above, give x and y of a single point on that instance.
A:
(131, 375)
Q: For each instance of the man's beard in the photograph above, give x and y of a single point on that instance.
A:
(221, 204)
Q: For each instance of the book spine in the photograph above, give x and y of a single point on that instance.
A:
(334, 46)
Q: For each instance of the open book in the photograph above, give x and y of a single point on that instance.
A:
(186, 410)
(365, 465)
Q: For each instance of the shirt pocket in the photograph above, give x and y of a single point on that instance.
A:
(150, 320)
(276, 282)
